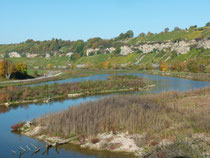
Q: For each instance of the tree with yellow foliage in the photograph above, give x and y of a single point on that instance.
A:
(21, 68)
(106, 64)
(163, 66)
(7, 68)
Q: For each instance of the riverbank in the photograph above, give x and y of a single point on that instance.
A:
(171, 124)
(68, 74)
(47, 93)
(184, 75)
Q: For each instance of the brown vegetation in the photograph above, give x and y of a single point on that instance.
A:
(11, 93)
(160, 116)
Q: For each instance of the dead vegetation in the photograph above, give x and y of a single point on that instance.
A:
(160, 116)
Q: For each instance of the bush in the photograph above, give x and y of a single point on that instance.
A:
(15, 127)
(208, 24)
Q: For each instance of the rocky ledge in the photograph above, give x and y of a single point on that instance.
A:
(122, 142)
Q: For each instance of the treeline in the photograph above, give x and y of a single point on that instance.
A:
(79, 47)
(10, 70)
(58, 46)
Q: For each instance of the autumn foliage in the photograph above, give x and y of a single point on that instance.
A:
(164, 66)
(9, 69)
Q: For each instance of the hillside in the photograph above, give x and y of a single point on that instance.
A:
(147, 50)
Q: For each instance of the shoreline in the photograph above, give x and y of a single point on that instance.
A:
(166, 135)
(118, 142)
(183, 75)
(74, 95)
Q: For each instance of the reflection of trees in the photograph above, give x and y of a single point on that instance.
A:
(4, 109)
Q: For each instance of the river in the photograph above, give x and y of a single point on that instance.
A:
(9, 116)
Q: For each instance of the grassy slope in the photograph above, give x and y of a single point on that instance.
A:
(131, 58)
(42, 62)
(153, 57)
(189, 34)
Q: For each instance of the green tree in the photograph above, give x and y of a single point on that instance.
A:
(166, 29)
(177, 29)
(21, 68)
(208, 24)
(117, 51)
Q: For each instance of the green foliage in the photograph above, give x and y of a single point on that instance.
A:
(208, 24)
(117, 51)
(128, 34)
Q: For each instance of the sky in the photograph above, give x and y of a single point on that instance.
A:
(84, 19)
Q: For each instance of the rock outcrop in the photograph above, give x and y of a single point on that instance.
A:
(180, 47)
(14, 55)
(28, 55)
(125, 50)
(69, 54)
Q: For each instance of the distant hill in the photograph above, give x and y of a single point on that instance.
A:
(170, 46)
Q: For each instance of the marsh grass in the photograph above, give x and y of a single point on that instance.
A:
(12, 93)
(158, 115)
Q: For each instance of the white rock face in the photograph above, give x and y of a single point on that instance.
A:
(14, 55)
(111, 49)
(90, 50)
(69, 54)
(125, 50)
(80, 66)
(28, 55)
(180, 47)
(47, 55)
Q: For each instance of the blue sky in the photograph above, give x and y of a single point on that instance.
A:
(83, 19)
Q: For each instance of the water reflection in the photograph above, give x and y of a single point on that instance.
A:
(9, 116)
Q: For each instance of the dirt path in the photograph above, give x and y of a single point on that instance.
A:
(49, 75)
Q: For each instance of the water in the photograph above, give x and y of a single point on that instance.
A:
(9, 116)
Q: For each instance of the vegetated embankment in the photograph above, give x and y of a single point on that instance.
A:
(169, 124)
(45, 93)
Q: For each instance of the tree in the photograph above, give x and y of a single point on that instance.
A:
(106, 64)
(142, 34)
(117, 51)
(193, 66)
(166, 29)
(177, 29)
(7, 68)
(193, 27)
(21, 69)
(208, 24)
(128, 34)
(163, 66)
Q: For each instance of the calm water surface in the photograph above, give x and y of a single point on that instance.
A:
(9, 116)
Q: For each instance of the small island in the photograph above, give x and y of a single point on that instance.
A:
(46, 93)
(169, 123)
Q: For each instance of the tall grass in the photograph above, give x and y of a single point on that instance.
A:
(152, 113)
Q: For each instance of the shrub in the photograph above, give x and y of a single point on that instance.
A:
(95, 140)
(163, 66)
(15, 127)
